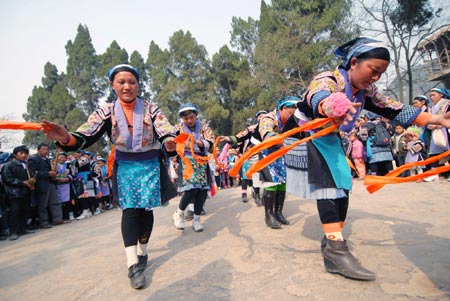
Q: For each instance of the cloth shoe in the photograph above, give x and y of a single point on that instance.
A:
(178, 219)
(84, 215)
(142, 262)
(196, 225)
(137, 278)
(432, 178)
(338, 260)
(97, 211)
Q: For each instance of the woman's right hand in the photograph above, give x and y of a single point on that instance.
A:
(54, 131)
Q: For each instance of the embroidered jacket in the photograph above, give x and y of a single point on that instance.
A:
(333, 81)
(156, 127)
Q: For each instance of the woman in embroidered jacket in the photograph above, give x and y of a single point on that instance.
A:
(327, 178)
(440, 99)
(195, 189)
(273, 177)
(140, 132)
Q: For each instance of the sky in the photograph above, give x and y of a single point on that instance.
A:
(33, 33)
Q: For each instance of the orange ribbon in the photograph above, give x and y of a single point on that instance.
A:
(375, 183)
(111, 160)
(181, 146)
(19, 125)
(277, 140)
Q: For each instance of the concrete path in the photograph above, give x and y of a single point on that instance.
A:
(401, 232)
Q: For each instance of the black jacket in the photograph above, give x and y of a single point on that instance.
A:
(13, 176)
(42, 166)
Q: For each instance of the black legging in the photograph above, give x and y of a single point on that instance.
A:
(196, 196)
(332, 210)
(245, 183)
(137, 224)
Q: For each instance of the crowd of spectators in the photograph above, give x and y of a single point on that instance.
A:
(39, 192)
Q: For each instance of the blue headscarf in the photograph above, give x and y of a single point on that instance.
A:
(122, 67)
(444, 92)
(187, 107)
(289, 101)
(355, 48)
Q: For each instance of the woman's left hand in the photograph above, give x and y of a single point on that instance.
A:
(170, 144)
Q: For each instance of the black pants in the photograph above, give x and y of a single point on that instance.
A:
(245, 183)
(196, 196)
(137, 225)
(381, 168)
(18, 214)
(332, 210)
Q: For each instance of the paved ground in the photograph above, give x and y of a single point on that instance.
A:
(401, 232)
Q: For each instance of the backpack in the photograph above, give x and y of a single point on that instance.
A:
(381, 136)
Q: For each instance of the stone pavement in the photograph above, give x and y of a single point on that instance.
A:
(401, 232)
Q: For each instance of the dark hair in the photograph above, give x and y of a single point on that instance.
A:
(21, 148)
(122, 67)
(42, 144)
(185, 113)
(376, 53)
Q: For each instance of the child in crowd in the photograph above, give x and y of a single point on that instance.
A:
(398, 145)
(357, 154)
(415, 149)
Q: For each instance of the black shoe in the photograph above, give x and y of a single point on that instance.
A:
(271, 221)
(33, 226)
(244, 198)
(13, 236)
(278, 208)
(137, 278)
(258, 200)
(142, 262)
(26, 231)
(338, 260)
(45, 226)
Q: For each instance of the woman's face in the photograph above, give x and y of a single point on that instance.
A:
(126, 86)
(62, 159)
(435, 96)
(418, 103)
(189, 119)
(364, 73)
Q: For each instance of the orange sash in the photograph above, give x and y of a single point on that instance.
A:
(375, 183)
(277, 140)
(19, 125)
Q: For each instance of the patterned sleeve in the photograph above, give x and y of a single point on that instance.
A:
(267, 126)
(389, 108)
(98, 123)
(245, 134)
(208, 136)
(163, 128)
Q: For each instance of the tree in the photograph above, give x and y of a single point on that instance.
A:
(244, 37)
(181, 74)
(81, 71)
(50, 101)
(296, 39)
(402, 25)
